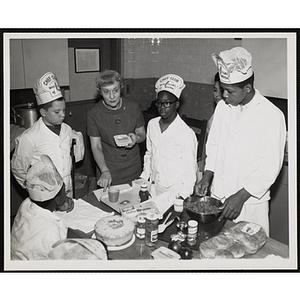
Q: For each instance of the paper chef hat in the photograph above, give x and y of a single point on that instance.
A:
(43, 180)
(46, 89)
(234, 65)
(171, 83)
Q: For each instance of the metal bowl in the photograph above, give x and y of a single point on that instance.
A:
(203, 217)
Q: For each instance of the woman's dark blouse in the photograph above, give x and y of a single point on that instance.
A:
(124, 164)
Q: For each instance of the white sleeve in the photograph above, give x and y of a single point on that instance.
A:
(22, 158)
(189, 146)
(268, 161)
(79, 147)
(147, 157)
(213, 138)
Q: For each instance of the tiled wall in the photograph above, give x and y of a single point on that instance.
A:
(144, 60)
(188, 57)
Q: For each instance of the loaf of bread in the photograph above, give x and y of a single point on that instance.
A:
(243, 238)
(251, 235)
(209, 248)
(237, 249)
(223, 254)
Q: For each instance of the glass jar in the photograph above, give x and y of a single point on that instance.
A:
(140, 227)
(182, 229)
(192, 232)
(143, 193)
(151, 229)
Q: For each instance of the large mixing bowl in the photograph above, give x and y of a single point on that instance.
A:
(203, 209)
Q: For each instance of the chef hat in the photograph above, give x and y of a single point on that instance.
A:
(43, 180)
(234, 65)
(171, 83)
(46, 89)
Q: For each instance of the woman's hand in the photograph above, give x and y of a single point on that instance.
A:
(105, 180)
(134, 138)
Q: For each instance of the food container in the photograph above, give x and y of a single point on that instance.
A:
(25, 115)
(151, 232)
(203, 209)
(192, 232)
(122, 140)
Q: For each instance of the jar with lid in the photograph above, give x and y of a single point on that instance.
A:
(140, 227)
(144, 193)
(151, 233)
(192, 232)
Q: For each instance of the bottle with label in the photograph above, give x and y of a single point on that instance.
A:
(151, 232)
(143, 193)
(192, 232)
(140, 227)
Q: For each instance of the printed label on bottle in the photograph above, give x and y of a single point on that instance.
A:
(140, 231)
(192, 230)
(154, 236)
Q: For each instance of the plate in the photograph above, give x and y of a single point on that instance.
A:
(117, 248)
(122, 140)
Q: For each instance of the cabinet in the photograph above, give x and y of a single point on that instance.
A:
(31, 58)
(279, 218)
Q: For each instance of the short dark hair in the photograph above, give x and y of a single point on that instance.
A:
(47, 105)
(217, 77)
(169, 93)
(241, 85)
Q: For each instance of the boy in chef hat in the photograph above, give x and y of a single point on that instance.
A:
(171, 157)
(235, 65)
(49, 135)
(36, 228)
(245, 145)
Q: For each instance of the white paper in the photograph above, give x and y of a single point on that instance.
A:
(84, 216)
(99, 193)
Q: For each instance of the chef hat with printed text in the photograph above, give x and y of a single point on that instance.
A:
(171, 83)
(46, 89)
(43, 181)
(234, 65)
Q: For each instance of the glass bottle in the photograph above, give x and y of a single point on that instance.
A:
(140, 227)
(151, 232)
(143, 193)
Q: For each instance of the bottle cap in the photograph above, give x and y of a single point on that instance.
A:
(141, 219)
(152, 216)
(144, 186)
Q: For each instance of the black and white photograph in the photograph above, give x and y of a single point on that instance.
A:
(150, 151)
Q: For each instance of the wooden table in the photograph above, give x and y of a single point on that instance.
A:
(138, 250)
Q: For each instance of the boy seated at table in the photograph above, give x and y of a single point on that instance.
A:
(36, 227)
(171, 157)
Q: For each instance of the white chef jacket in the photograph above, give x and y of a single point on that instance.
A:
(38, 140)
(245, 148)
(171, 157)
(34, 232)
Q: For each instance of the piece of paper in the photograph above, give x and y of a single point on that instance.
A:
(99, 193)
(83, 217)
(128, 196)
